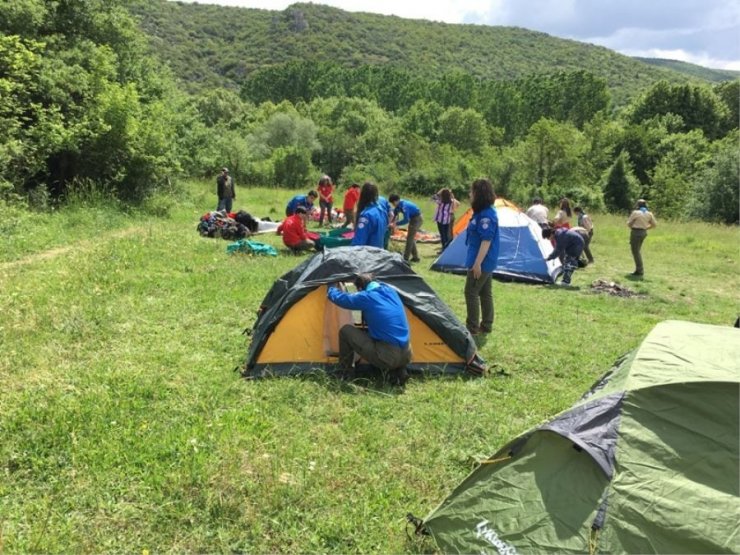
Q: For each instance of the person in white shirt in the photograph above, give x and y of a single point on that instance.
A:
(538, 211)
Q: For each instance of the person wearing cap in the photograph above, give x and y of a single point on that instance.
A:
(293, 230)
(225, 191)
(640, 220)
(386, 343)
(306, 201)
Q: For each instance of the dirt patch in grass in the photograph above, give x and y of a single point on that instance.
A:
(613, 288)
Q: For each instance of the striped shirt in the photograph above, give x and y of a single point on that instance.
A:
(444, 213)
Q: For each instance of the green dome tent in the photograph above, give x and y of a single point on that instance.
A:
(645, 462)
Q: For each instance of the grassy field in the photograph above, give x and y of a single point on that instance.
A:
(123, 426)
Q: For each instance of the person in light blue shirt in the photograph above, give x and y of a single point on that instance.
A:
(386, 343)
(301, 200)
(371, 221)
(411, 215)
(482, 243)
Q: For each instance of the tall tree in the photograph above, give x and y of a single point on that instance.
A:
(620, 185)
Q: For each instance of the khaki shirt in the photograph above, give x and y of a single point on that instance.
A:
(641, 220)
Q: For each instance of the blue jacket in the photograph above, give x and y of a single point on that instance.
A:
(386, 208)
(409, 209)
(370, 227)
(382, 310)
(295, 202)
(483, 226)
(567, 241)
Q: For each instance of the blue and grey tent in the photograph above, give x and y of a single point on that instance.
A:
(522, 251)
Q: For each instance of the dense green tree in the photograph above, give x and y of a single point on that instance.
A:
(620, 186)
(465, 129)
(729, 92)
(716, 195)
(697, 105)
(551, 159)
(682, 156)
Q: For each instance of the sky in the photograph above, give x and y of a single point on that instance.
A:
(703, 32)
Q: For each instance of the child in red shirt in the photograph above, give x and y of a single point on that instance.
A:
(293, 230)
(326, 200)
(350, 201)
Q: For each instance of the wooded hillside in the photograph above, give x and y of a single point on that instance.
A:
(208, 45)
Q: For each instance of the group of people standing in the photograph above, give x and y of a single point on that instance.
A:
(573, 243)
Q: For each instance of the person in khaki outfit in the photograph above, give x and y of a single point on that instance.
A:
(640, 220)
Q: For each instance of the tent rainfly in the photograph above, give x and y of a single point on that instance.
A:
(297, 328)
(645, 462)
(522, 251)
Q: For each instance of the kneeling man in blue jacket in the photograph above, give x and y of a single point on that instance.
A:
(385, 344)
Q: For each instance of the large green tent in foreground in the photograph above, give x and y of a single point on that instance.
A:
(645, 462)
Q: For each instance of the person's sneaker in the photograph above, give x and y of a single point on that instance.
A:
(417, 259)
(472, 330)
(485, 329)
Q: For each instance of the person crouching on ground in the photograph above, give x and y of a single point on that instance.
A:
(293, 230)
(481, 258)
(412, 217)
(385, 344)
(568, 244)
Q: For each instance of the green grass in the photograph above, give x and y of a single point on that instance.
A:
(125, 428)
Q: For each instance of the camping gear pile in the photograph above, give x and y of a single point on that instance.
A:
(421, 236)
(227, 225)
(297, 306)
(645, 462)
(245, 246)
(522, 254)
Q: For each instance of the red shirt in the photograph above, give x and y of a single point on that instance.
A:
(325, 191)
(350, 198)
(293, 230)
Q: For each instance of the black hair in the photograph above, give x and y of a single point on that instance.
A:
(394, 198)
(578, 209)
(362, 280)
(547, 232)
(313, 194)
(445, 195)
(368, 195)
(483, 195)
(301, 210)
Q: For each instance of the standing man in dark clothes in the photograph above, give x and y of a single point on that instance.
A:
(225, 190)
(569, 244)
(385, 344)
(412, 216)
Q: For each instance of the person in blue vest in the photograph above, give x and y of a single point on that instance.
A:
(411, 215)
(481, 258)
(386, 343)
(371, 221)
(568, 245)
(306, 201)
(387, 209)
